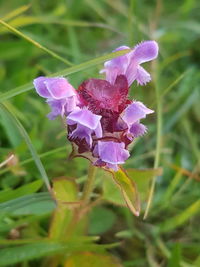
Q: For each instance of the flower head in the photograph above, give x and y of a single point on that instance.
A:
(102, 120)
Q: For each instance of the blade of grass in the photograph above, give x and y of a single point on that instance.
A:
(22, 35)
(16, 12)
(65, 72)
(29, 144)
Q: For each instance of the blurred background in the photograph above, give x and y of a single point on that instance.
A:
(78, 31)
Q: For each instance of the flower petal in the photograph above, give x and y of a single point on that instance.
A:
(57, 108)
(85, 117)
(40, 87)
(142, 76)
(145, 51)
(138, 129)
(59, 88)
(112, 152)
(81, 132)
(116, 66)
(134, 112)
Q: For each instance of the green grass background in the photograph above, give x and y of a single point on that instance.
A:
(67, 33)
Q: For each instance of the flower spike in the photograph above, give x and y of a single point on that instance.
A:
(101, 120)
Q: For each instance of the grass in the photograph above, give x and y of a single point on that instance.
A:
(74, 38)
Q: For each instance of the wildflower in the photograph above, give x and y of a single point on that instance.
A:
(102, 121)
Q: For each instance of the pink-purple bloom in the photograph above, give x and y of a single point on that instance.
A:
(102, 121)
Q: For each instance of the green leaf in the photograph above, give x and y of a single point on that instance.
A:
(37, 204)
(66, 195)
(10, 129)
(21, 191)
(36, 250)
(47, 247)
(27, 139)
(128, 189)
(142, 178)
(65, 190)
(101, 220)
(16, 12)
(89, 259)
(111, 192)
(175, 259)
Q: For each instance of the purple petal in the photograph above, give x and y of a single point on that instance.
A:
(71, 104)
(57, 108)
(41, 87)
(120, 61)
(85, 117)
(98, 131)
(145, 51)
(59, 88)
(116, 66)
(112, 152)
(142, 76)
(81, 132)
(134, 112)
(138, 129)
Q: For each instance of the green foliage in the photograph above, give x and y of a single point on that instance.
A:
(42, 38)
(101, 220)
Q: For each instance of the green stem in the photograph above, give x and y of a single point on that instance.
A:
(89, 184)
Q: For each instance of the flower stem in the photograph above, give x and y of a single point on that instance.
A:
(89, 184)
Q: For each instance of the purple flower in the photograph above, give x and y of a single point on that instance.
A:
(129, 64)
(101, 120)
(60, 95)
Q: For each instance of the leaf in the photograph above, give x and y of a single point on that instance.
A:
(65, 190)
(128, 189)
(36, 250)
(142, 178)
(179, 219)
(175, 259)
(88, 259)
(37, 204)
(10, 129)
(111, 192)
(47, 247)
(65, 72)
(101, 220)
(21, 191)
(16, 12)
(27, 139)
(66, 195)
